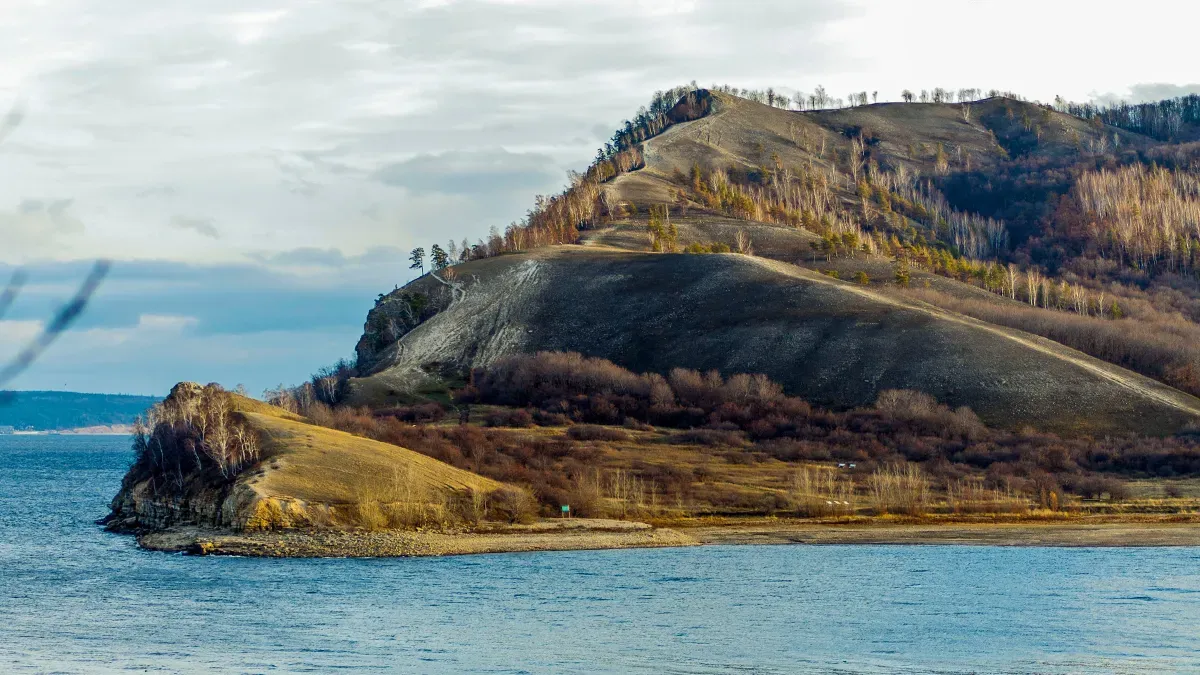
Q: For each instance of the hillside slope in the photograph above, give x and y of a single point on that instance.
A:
(826, 340)
(307, 475)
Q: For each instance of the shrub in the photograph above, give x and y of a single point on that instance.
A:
(899, 489)
(511, 505)
(519, 418)
(591, 432)
(710, 437)
(423, 413)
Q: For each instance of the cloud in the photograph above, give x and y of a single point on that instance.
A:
(12, 120)
(202, 226)
(275, 116)
(153, 323)
(471, 172)
(37, 226)
(17, 334)
(1147, 92)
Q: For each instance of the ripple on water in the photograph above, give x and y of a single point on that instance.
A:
(79, 599)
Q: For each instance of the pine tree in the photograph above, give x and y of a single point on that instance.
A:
(438, 258)
(418, 260)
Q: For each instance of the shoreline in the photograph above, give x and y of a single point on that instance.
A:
(572, 535)
(583, 534)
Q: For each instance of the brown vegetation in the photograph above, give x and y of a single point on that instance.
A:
(909, 454)
(1164, 347)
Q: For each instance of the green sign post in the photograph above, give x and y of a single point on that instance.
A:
(566, 511)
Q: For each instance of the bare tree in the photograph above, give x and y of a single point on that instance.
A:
(1033, 284)
(742, 243)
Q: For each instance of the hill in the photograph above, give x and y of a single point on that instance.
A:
(216, 459)
(813, 200)
(57, 410)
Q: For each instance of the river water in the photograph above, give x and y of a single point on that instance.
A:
(76, 599)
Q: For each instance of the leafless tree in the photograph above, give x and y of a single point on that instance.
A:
(1033, 284)
(742, 243)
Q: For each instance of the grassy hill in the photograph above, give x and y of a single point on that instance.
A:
(290, 473)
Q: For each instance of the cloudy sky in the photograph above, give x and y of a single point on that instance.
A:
(256, 168)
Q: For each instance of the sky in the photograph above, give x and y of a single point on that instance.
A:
(257, 169)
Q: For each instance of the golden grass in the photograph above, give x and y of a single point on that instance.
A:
(313, 476)
(319, 465)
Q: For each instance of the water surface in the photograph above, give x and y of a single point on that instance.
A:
(73, 598)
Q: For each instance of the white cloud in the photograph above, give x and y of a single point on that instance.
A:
(202, 226)
(16, 334)
(38, 226)
(150, 329)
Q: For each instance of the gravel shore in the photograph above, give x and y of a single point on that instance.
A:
(578, 535)
(583, 534)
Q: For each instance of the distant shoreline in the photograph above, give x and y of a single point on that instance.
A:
(582, 534)
(99, 430)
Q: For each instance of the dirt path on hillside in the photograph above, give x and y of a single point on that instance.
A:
(1138, 384)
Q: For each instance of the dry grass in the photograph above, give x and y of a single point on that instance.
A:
(903, 490)
(319, 477)
(819, 493)
(968, 495)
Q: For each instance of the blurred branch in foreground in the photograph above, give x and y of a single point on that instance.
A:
(15, 283)
(66, 315)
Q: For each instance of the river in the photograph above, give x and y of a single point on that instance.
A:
(74, 598)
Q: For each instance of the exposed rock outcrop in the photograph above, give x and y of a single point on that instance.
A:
(394, 316)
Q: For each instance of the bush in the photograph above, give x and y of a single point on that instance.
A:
(519, 418)
(195, 430)
(423, 413)
(710, 437)
(511, 505)
(592, 432)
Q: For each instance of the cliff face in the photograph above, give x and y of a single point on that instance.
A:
(393, 317)
(140, 507)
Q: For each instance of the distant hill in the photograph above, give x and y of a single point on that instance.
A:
(53, 410)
